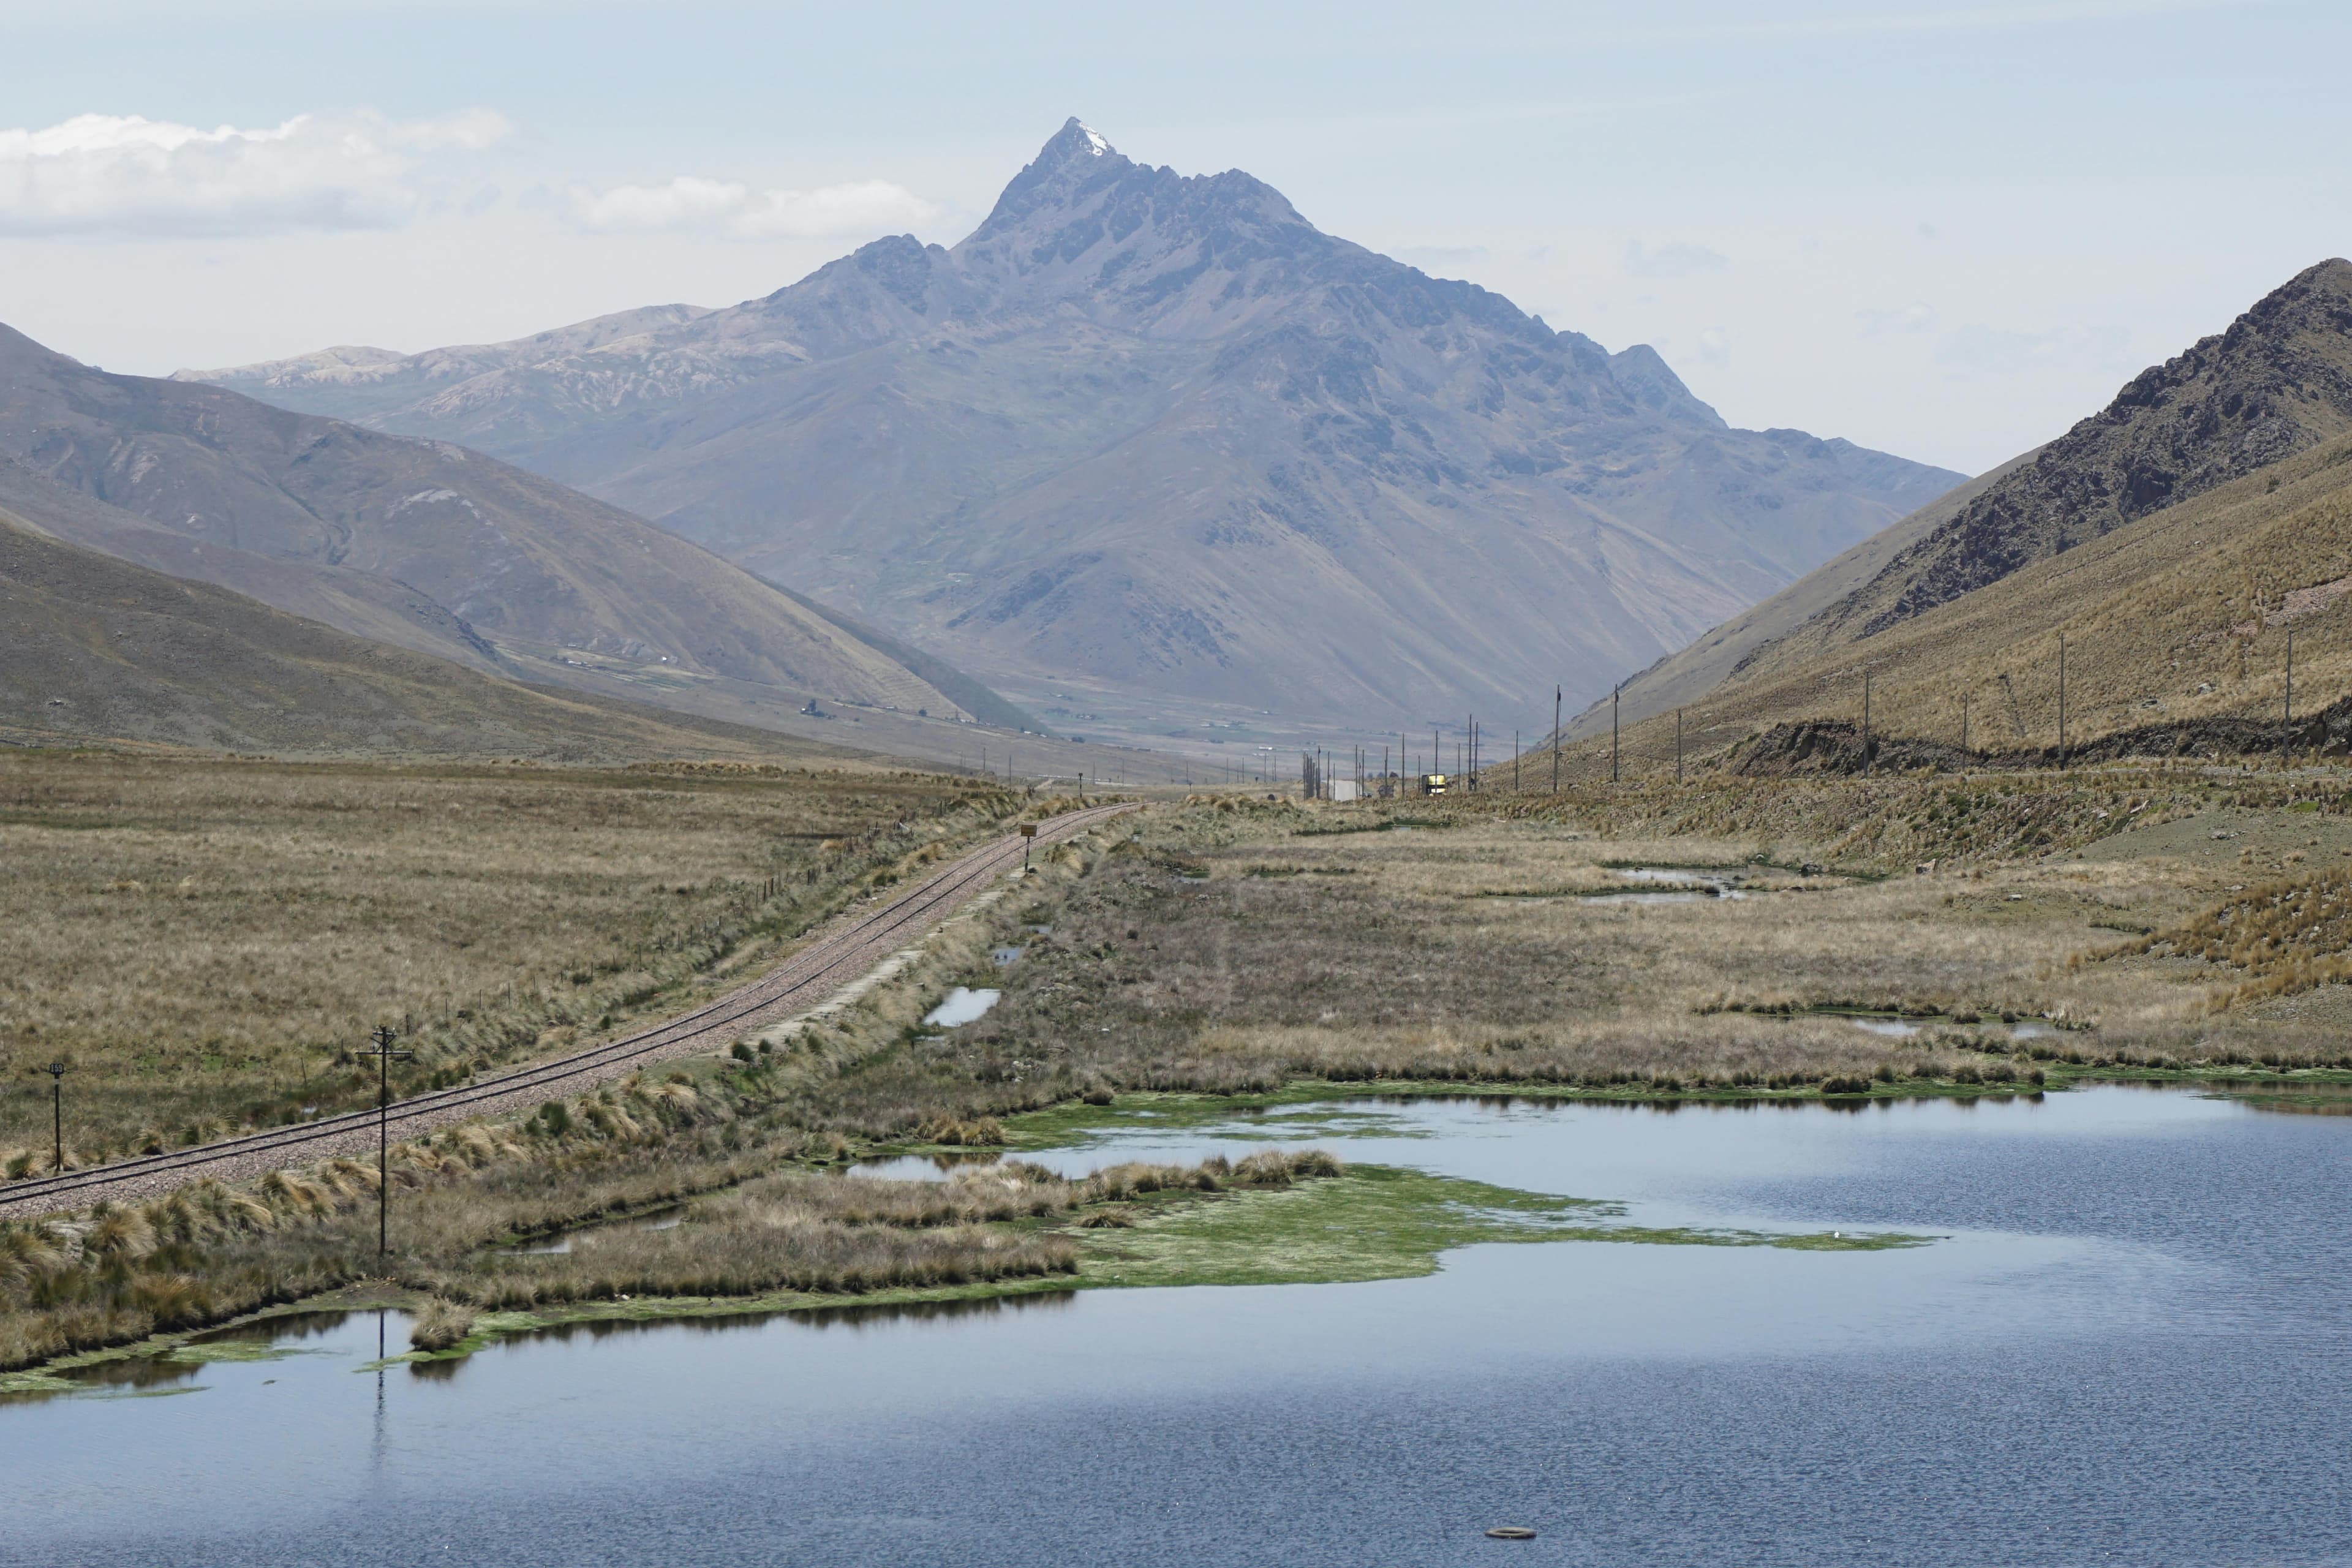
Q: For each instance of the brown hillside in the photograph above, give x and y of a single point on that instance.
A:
(419, 542)
(96, 649)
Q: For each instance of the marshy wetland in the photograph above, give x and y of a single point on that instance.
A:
(1333, 1191)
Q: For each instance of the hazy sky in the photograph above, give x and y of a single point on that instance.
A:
(1944, 228)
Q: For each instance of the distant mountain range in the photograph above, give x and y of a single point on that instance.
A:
(1158, 441)
(2175, 537)
(101, 648)
(429, 546)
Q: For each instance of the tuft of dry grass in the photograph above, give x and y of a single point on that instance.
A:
(2284, 936)
(439, 1324)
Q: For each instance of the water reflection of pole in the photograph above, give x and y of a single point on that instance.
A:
(380, 1316)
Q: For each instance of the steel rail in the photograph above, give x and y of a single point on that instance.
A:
(817, 962)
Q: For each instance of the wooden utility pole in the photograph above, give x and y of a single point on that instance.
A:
(1555, 739)
(383, 1055)
(2286, 742)
(1865, 723)
(1678, 745)
(57, 1071)
(1613, 692)
(1964, 721)
(1515, 761)
(2061, 700)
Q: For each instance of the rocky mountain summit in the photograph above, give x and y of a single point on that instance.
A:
(1160, 437)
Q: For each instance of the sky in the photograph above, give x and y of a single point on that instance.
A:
(1945, 228)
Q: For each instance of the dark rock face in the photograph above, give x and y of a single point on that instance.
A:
(1164, 434)
(2278, 381)
(1835, 746)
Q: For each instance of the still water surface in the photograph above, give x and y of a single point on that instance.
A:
(2135, 1347)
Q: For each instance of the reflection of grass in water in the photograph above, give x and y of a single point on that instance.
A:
(2322, 1097)
(1379, 1222)
(202, 1353)
(1306, 1110)
(167, 1371)
(1289, 1126)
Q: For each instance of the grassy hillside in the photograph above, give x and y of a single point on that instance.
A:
(2183, 616)
(99, 648)
(1697, 669)
(2173, 540)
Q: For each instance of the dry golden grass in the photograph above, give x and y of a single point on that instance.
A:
(203, 942)
(2278, 939)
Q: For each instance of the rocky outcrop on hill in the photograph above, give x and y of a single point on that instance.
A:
(1835, 746)
(2277, 382)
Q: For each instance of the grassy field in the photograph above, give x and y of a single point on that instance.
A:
(1235, 951)
(210, 940)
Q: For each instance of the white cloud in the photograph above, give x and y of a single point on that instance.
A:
(738, 212)
(1917, 317)
(1671, 260)
(1976, 347)
(124, 174)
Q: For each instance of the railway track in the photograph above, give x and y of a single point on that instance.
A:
(857, 941)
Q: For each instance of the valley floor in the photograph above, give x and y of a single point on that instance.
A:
(1795, 939)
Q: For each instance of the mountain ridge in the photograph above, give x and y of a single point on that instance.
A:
(102, 649)
(1158, 436)
(421, 543)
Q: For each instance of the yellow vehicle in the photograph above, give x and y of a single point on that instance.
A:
(1433, 784)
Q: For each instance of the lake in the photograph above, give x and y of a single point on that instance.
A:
(2131, 1344)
